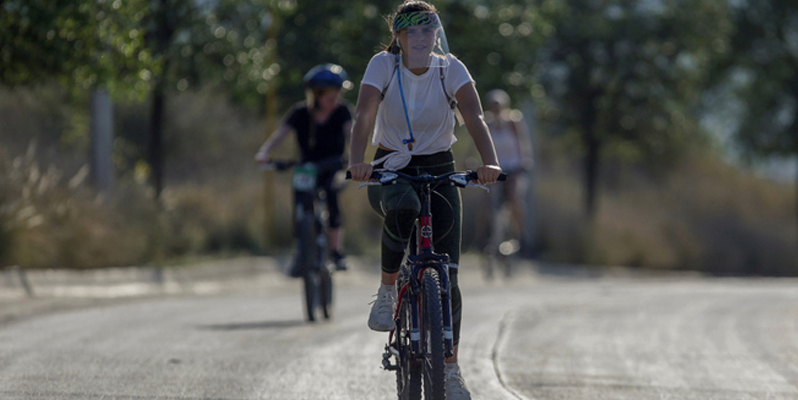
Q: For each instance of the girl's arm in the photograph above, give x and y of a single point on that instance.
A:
(365, 113)
(347, 130)
(264, 154)
(471, 109)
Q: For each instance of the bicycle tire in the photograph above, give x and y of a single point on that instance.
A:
(408, 371)
(306, 249)
(310, 280)
(432, 337)
(306, 243)
(325, 292)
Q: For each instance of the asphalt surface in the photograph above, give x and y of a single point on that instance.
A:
(235, 330)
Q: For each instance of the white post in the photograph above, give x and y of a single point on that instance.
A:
(102, 139)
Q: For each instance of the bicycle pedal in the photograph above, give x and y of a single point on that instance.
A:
(386, 362)
(386, 359)
(386, 365)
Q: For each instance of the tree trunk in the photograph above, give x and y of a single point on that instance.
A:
(592, 156)
(591, 172)
(156, 139)
(164, 32)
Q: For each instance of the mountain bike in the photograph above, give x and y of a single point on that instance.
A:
(310, 261)
(423, 337)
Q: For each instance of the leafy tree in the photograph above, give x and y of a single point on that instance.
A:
(499, 42)
(222, 43)
(88, 46)
(316, 32)
(763, 71)
(625, 75)
(79, 43)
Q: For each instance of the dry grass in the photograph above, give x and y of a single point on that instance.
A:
(704, 215)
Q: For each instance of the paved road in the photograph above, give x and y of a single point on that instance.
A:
(573, 335)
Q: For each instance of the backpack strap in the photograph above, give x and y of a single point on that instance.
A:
(452, 103)
(395, 67)
(449, 100)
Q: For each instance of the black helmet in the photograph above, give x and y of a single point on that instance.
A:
(326, 75)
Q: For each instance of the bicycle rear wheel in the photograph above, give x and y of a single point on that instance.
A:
(408, 371)
(432, 337)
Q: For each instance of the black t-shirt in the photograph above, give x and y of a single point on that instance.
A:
(319, 141)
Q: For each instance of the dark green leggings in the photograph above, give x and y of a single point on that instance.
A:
(399, 206)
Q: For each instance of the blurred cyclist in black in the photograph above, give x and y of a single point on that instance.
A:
(322, 124)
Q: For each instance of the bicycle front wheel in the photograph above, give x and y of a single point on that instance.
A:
(306, 248)
(311, 280)
(432, 336)
(326, 292)
(408, 371)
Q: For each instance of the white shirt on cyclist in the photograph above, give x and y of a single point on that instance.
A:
(430, 115)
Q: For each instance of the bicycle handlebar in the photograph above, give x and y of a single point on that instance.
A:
(327, 164)
(457, 178)
(278, 165)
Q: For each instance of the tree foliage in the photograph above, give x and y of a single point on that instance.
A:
(622, 76)
(625, 75)
(763, 69)
(79, 43)
(763, 72)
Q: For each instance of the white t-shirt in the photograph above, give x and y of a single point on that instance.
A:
(428, 110)
(505, 141)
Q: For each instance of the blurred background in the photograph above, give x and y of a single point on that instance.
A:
(665, 131)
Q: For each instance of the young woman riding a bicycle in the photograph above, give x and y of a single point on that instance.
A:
(504, 216)
(320, 124)
(408, 96)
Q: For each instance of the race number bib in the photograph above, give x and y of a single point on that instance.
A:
(305, 178)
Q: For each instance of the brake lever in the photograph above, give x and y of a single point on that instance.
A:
(369, 184)
(383, 178)
(476, 185)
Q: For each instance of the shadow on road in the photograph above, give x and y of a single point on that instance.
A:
(254, 325)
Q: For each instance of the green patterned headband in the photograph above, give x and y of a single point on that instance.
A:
(415, 18)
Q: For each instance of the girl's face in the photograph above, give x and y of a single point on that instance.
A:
(496, 107)
(417, 41)
(327, 101)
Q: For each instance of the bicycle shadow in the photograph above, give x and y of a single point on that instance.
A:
(265, 325)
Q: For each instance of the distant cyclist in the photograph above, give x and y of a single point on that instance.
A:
(321, 124)
(514, 149)
(408, 95)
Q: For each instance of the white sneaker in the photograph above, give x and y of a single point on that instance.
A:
(455, 384)
(382, 310)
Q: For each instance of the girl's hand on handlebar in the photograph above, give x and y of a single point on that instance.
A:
(361, 172)
(263, 157)
(488, 174)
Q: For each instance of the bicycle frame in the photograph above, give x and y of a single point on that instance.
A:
(418, 260)
(421, 256)
(424, 294)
